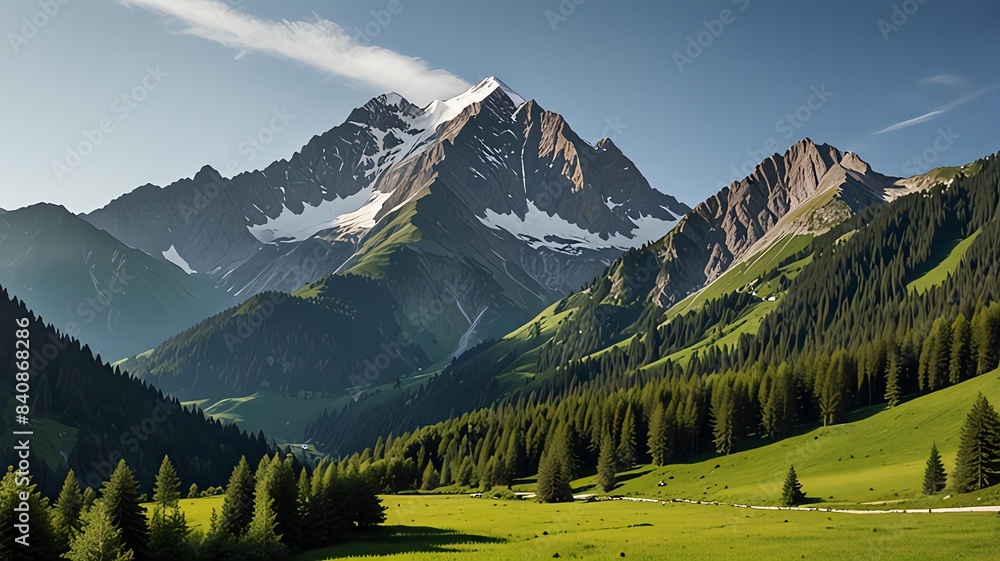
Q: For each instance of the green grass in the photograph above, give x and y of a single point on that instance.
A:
(743, 275)
(279, 416)
(878, 457)
(459, 527)
(948, 264)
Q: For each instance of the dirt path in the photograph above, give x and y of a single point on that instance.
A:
(990, 508)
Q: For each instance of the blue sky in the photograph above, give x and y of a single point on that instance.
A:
(693, 92)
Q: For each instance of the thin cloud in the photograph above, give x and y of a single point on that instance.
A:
(944, 80)
(321, 44)
(939, 111)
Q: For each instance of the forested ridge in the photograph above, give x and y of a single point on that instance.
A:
(112, 415)
(848, 332)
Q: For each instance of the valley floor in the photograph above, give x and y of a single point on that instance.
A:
(437, 527)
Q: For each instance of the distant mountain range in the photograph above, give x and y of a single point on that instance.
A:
(471, 215)
(358, 274)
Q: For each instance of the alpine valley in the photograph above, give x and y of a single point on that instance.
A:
(469, 297)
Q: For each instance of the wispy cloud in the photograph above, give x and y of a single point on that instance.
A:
(944, 80)
(321, 44)
(939, 111)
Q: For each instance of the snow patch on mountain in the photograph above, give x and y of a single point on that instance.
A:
(288, 226)
(539, 229)
(175, 258)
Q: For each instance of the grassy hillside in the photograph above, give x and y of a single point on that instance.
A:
(877, 457)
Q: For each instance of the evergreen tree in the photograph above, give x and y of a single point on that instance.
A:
(659, 439)
(168, 534)
(168, 531)
(237, 506)
(606, 463)
(724, 419)
(167, 487)
(978, 463)
(218, 544)
(262, 542)
(893, 379)
(554, 473)
(42, 541)
(791, 492)
(430, 479)
(961, 363)
(627, 445)
(121, 499)
(68, 508)
(99, 538)
(935, 477)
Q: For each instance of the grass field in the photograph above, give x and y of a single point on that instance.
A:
(875, 461)
(949, 263)
(455, 527)
(878, 457)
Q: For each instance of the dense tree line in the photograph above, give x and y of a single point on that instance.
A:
(838, 341)
(267, 513)
(113, 415)
(852, 306)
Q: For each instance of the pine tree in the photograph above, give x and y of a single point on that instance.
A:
(791, 492)
(893, 379)
(168, 530)
(659, 439)
(961, 364)
(68, 508)
(627, 446)
(237, 506)
(430, 479)
(168, 533)
(218, 544)
(606, 463)
(99, 538)
(262, 542)
(554, 473)
(935, 477)
(723, 414)
(120, 496)
(166, 489)
(978, 463)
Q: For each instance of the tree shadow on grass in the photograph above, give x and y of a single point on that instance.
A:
(395, 540)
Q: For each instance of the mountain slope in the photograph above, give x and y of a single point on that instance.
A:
(474, 213)
(94, 287)
(75, 428)
(614, 325)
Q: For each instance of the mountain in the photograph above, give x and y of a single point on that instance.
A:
(709, 282)
(472, 214)
(85, 416)
(96, 288)
(899, 301)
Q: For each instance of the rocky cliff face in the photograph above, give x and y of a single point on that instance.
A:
(805, 190)
(486, 193)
